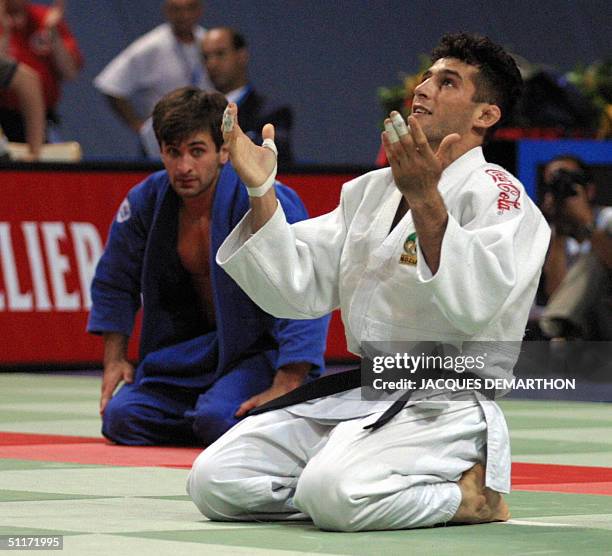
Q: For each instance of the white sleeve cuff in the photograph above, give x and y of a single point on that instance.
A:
(242, 238)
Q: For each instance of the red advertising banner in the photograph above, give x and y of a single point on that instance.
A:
(53, 226)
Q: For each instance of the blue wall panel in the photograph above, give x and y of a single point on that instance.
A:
(327, 58)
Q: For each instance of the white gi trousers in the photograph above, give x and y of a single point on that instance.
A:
(278, 465)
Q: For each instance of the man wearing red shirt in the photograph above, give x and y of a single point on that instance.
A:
(39, 38)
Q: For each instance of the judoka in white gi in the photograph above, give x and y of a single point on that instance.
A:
(480, 246)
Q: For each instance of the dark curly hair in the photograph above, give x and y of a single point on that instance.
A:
(498, 80)
(186, 111)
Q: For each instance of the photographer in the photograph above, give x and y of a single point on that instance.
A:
(577, 269)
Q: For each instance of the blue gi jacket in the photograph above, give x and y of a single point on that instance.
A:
(140, 265)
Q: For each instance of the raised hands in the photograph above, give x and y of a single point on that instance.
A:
(254, 164)
(416, 167)
(416, 171)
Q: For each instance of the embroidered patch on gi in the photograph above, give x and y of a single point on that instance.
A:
(509, 194)
(409, 256)
(125, 212)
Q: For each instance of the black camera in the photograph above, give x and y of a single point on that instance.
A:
(564, 183)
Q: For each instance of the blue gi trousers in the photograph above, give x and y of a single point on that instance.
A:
(154, 413)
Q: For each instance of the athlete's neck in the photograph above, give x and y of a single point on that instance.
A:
(197, 208)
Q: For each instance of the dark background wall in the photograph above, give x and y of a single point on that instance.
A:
(327, 58)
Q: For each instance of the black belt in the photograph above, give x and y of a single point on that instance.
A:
(341, 382)
(325, 386)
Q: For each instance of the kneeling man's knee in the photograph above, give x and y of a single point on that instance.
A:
(328, 496)
(206, 485)
(120, 423)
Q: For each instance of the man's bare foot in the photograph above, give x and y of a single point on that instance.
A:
(479, 504)
(253, 163)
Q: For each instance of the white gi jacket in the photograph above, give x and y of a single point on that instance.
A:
(492, 254)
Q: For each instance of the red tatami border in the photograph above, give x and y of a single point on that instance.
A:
(98, 451)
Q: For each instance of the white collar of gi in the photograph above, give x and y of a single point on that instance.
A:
(462, 167)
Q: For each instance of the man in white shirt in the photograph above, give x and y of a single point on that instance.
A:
(440, 247)
(225, 57)
(164, 59)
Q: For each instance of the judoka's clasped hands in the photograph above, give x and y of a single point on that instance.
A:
(416, 167)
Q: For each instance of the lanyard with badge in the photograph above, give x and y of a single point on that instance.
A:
(193, 72)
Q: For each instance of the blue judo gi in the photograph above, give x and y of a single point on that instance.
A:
(191, 379)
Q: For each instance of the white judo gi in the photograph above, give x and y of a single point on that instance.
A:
(315, 459)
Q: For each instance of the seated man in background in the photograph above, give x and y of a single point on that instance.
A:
(208, 354)
(579, 262)
(40, 39)
(162, 60)
(25, 84)
(226, 57)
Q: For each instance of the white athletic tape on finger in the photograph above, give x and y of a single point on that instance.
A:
(228, 120)
(261, 190)
(270, 144)
(391, 133)
(399, 124)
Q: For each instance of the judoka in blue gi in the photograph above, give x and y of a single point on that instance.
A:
(208, 354)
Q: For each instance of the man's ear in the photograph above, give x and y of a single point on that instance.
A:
(224, 153)
(487, 116)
